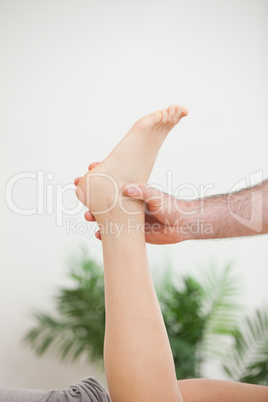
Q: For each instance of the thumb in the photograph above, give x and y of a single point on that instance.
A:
(145, 193)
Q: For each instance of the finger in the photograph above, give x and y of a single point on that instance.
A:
(89, 217)
(92, 165)
(77, 180)
(144, 192)
(98, 235)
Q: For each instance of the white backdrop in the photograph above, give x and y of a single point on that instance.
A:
(75, 75)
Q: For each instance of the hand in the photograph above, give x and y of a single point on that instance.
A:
(163, 212)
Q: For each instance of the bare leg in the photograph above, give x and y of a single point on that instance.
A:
(138, 359)
(204, 390)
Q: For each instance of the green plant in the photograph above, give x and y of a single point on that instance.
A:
(77, 326)
(248, 357)
(182, 316)
(199, 316)
(202, 318)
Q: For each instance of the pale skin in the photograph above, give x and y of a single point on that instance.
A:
(138, 360)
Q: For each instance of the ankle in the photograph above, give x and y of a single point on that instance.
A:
(123, 209)
(125, 229)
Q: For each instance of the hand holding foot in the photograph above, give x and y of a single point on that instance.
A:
(163, 213)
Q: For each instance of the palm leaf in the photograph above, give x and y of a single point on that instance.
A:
(180, 307)
(220, 291)
(77, 326)
(249, 355)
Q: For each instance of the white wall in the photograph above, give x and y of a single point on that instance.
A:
(74, 76)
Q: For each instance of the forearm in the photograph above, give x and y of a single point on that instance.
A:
(243, 213)
(204, 390)
(138, 359)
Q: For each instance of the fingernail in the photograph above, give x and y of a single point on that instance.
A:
(130, 189)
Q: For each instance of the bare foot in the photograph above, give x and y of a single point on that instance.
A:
(131, 160)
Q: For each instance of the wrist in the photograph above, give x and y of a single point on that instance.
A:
(183, 220)
(189, 220)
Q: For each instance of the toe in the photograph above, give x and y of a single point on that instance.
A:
(180, 111)
(178, 114)
(171, 113)
(164, 116)
(157, 116)
(184, 111)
